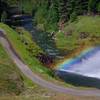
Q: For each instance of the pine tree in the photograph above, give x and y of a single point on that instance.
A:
(98, 7)
(93, 5)
(53, 14)
(63, 10)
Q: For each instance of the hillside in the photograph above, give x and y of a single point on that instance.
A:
(25, 47)
(11, 82)
(84, 31)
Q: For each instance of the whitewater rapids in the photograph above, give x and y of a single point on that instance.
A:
(90, 66)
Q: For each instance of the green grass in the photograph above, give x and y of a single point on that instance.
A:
(21, 49)
(11, 81)
(88, 24)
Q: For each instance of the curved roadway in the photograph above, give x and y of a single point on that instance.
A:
(38, 80)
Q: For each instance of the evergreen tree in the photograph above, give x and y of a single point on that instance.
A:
(93, 5)
(63, 10)
(98, 7)
(81, 6)
(53, 15)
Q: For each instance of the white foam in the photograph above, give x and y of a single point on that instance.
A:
(88, 67)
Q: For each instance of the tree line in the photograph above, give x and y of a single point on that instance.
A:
(51, 13)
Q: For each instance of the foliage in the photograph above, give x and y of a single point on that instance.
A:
(98, 7)
(89, 25)
(48, 13)
(21, 49)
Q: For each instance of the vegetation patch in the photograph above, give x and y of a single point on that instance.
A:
(86, 30)
(20, 47)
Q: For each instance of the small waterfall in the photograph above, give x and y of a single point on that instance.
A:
(83, 70)
(87, 64)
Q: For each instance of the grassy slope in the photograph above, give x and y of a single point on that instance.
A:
(21, 49)
(10, 77)
(88, 24)
(12, 82)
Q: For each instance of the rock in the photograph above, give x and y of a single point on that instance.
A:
(83, 35)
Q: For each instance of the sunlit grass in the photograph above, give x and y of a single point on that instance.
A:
(87, 24)
(20, 48)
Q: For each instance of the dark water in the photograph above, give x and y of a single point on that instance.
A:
(78, 80)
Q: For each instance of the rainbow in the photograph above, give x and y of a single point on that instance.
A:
(86, 53)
